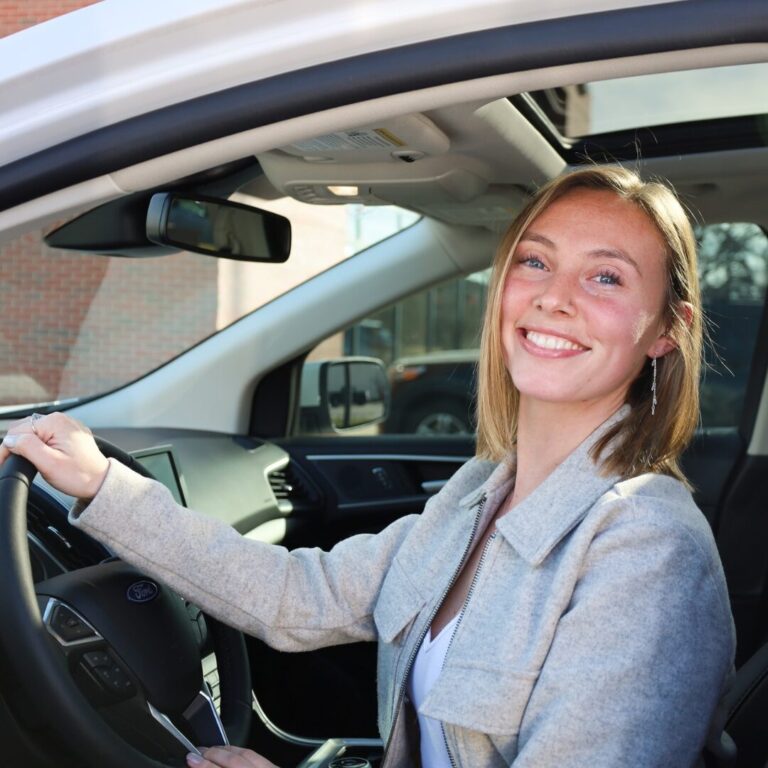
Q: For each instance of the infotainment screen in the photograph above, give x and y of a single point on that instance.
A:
(161, 465)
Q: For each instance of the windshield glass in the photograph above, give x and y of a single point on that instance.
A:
(75, 325)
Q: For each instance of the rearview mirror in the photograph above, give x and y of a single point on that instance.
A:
(218, 228)
(139, 226)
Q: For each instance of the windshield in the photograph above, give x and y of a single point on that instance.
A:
(75, 325)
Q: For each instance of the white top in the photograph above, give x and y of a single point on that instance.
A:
(426, 668)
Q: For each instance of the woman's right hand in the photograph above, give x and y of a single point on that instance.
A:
(228, 757)
(63, 451)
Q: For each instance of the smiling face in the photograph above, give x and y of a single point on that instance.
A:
(583, 301)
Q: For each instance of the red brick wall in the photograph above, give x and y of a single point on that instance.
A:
(77, 324)
(39, 327)
(16, 15)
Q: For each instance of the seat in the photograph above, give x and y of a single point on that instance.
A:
(745, 706)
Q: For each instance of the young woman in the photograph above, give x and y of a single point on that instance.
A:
(561, 600)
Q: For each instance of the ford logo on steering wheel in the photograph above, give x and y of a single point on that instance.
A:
(142, 591)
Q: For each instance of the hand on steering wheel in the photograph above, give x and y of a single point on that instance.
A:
(228, 757)
(63, 451)
(156, 645)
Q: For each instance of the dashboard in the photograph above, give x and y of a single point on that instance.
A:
(221, 475)
(311, 491)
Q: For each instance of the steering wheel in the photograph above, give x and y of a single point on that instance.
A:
(113, 656)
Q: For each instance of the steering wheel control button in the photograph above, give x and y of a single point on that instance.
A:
(68, 626)
(109, 673)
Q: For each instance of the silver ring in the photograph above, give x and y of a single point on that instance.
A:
(35, 417)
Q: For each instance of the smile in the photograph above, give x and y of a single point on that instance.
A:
(545, 341)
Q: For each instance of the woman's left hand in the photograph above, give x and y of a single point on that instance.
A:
(228, 757)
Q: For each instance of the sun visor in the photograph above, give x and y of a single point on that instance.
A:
(401, 139)
(404, 161)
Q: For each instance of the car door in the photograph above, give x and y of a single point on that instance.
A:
(395, 472)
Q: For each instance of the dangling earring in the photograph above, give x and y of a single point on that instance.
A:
(653, 387)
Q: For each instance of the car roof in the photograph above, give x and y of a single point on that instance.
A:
(105, 103)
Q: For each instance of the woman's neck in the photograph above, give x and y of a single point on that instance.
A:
(547, 433)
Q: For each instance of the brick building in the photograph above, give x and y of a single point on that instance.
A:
(16, 15)
(74, 324)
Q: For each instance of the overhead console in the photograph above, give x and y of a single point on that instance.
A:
(448, 171)
(403, 160)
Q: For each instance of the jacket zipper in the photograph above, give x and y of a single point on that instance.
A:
(471, 589)
(412, 657)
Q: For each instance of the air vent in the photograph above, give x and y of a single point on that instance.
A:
(292, 488)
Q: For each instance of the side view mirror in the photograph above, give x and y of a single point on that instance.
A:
(344, 394)
(218, 228)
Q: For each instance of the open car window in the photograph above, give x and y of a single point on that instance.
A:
(429, 342)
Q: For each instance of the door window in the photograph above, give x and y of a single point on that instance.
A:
(429, 344)
(733, 263)
(429, 341)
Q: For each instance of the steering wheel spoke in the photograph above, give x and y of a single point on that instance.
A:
(100, 675)
(204, 720)
(199, 724)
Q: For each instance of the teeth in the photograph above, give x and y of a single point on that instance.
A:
(551, 342)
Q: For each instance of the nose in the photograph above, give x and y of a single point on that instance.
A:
(556, 295)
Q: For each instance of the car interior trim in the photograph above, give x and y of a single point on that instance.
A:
(304, 741)
(388, 457)
(754, 414)
(163, 169)
(50, 606)
(276, 730)
(380, 504)
(420, 65)
(41, 546)
(270, 532)
(528, 150)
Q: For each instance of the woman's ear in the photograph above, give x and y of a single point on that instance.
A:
(662, 346)
(685, 308)
(666, 343)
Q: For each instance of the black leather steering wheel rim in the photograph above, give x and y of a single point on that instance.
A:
(26, 640)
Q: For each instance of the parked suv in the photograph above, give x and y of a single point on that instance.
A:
(433, 394)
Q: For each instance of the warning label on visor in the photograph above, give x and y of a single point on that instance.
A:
(365, 138)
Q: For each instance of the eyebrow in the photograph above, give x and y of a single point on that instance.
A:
(600, 253)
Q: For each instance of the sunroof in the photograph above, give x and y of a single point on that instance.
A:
(666, 98)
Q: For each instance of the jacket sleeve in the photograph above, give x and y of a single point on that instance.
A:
(294, 601)
(640, 656)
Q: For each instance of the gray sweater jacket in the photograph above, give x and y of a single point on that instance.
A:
(597, 631)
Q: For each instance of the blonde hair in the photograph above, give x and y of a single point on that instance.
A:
(640, 442)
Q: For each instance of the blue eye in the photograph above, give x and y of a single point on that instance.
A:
(605, 277)
(532, 261)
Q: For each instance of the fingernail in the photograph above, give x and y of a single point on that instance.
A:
(9, 441)
(193, 759)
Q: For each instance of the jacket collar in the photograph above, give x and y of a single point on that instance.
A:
(539, 522)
